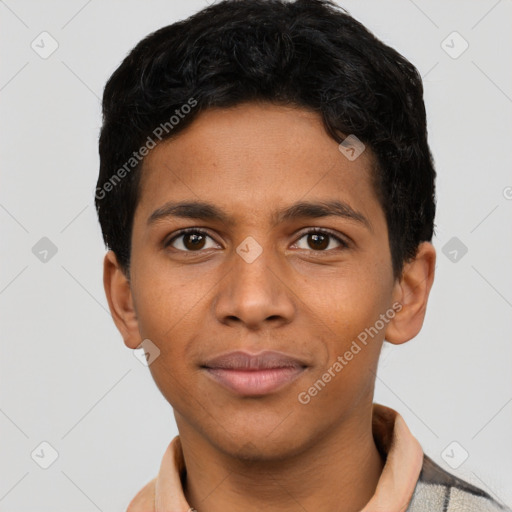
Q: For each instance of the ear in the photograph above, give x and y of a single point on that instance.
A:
(119, 297)
(411, 291)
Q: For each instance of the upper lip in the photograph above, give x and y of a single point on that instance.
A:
(240, 360)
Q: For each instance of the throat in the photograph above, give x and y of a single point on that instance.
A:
(322, 480)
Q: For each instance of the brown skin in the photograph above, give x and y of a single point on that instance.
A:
(270, 452)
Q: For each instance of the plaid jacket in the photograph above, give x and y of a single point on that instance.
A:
(438, 490)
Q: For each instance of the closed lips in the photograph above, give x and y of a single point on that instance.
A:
(254, 375)
(253, 362)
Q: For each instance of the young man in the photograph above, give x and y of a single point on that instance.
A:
(266, 194)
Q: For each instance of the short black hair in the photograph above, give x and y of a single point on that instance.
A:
(306, 53)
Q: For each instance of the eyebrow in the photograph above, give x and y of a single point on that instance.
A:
(200, 210)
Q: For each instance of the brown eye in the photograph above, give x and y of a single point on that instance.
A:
(192, 241)
(321, 241)
(318, 241)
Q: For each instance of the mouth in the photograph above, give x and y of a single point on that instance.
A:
(254, 374)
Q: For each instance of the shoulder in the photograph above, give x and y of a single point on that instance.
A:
(438, 489)
(144, 500)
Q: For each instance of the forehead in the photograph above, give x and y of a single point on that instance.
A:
(252, 156)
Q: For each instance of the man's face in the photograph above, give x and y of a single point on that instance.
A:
(253, 280)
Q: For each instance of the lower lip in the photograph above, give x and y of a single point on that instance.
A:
(255, 382)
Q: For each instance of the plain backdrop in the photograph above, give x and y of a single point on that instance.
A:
(67, 379)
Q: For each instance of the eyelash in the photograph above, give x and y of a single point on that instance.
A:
(343, 243)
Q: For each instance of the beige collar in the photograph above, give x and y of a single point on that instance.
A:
(404, 460)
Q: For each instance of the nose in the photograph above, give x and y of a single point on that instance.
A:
(255, 293)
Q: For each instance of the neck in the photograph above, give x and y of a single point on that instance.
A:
(339, 472)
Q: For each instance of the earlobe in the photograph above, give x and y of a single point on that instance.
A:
(119, 297)
(411, 292)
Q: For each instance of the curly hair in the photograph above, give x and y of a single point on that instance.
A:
(307, 53)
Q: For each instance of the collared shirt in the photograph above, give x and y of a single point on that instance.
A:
(410, 481)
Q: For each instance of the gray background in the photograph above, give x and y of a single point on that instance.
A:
(65, 375)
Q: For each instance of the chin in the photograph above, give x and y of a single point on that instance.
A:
(256, 444)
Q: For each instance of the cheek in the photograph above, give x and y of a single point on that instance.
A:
(164, 299)
(170, 309)
(152, 302)
(350, 302)
(166, 317)
(349, 309)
